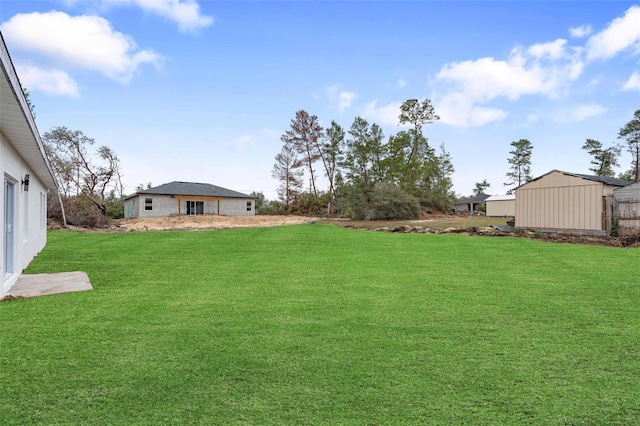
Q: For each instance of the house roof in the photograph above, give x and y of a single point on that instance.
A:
(602, 179)
(501, 197)
(475, 199)
(194, 189)
(17, 123)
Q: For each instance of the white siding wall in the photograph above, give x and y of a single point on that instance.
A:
(30, 232)
(500, 208)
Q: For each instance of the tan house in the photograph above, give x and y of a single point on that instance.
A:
(501, 205)
(566, 202)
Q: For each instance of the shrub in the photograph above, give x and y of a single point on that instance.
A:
(391, 202)
(78, 212)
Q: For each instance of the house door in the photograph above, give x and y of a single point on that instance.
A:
(195, 207)
(9, 229)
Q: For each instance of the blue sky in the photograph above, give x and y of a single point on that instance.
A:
(202, 90)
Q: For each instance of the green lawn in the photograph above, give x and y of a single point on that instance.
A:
(317, 324)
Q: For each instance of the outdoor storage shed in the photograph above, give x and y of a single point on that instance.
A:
(566, 202)
(627, 209)
(501, 205)
(188, 198)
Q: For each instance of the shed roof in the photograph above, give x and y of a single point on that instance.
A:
(475, 199)
(193, 189)
(607, 180)
(631, 187)
(501, 197)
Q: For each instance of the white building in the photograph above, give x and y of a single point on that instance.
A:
(26, 176)
(501, 205)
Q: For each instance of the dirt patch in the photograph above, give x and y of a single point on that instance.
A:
(203, 222)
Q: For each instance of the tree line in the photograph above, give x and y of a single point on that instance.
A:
(369, 176)
(603, 161)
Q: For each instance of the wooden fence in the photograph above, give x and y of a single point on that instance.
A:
(628, 216)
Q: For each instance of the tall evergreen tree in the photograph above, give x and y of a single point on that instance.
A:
(630, 133)
(604, 160)
(520, 164)
(417, 113)
(481, 187)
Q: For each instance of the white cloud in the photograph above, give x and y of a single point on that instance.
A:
(52, 82)
(386, 115)
(87, 42)
(185, 13)
(243, 143)
(581, 31)
(402, 83)
(342, 98)
(457, 110)
(621, 34)
(551, 50)
(570, 114)
(544, 69)
(582, 112)
(633, 83)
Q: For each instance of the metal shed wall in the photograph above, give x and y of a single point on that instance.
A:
(500, 208)
(559, 202)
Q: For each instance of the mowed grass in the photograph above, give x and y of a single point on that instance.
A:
(321, 325)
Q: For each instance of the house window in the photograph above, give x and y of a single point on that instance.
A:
(195, 208)
(148, 203)
(248, 206)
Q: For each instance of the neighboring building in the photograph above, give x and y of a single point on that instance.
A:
(188, 198)
(27, 176)
(566, 202)
(501, 205)
(470, 205)
(626, 208)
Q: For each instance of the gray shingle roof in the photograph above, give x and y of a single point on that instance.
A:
(604, 179)
(194, 189)
(476, 199)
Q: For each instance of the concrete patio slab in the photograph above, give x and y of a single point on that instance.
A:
(46, 284)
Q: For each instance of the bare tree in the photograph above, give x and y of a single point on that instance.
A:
(304, 137)
(332, 156)
(287, 170)
(79, 169)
